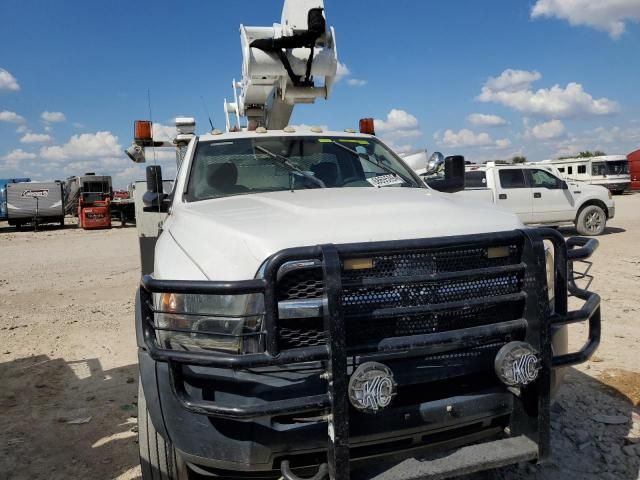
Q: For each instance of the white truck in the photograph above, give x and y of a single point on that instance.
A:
(539, 196)
(300, 322)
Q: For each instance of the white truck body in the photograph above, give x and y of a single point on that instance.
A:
(535, 193)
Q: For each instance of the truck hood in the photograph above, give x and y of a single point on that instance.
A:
(229, 238)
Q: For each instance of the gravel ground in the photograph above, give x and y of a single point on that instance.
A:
(68, 360)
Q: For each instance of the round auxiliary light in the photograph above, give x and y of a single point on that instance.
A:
(316, 129)
(517, 364)
(371, 387)
(261, 130)
(289, 129)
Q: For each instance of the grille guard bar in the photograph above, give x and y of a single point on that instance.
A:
(575, 248)
(334, 354)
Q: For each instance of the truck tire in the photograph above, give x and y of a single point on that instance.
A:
(158, 458)
(591, 220)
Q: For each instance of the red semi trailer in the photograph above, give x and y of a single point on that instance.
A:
(634, 169)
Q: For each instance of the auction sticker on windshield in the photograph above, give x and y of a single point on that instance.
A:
(385, 180)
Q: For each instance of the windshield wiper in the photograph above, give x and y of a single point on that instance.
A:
(381, 165)
(286, 163)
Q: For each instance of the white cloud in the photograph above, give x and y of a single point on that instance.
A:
(397, 120)
(613, 140)
(52, 117)
(512, 80)
(22, 129)
(17, 155)
(605, 15)
(13, 117)
(546, 130)
(398, 129)
(87, 145)
(342, 71)
(511, 89)
(481, 119)
(616, 135)
(8, 81)
(35, 138)
(466, 138)
(164, 132)
(356, 82)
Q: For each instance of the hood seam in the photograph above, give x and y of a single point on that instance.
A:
(188, 256)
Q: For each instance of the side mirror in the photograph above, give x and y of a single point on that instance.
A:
(154, 199)
(453, 180)
(565, 185)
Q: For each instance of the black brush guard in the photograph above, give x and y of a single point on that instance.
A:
(537, 329)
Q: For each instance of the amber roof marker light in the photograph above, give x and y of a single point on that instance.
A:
(367, 126)
(142, 131)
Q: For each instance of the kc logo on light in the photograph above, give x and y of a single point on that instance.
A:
(371, 387)
(525, 369)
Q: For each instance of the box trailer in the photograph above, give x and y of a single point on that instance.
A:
(3, 193)
(35, 203)
(634, 169)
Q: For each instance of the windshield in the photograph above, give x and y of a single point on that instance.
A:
(619, 167)
(255, 165)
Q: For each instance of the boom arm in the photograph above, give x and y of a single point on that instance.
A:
(292, 62)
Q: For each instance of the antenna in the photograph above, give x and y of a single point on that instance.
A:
(153, 143)
(206, 112)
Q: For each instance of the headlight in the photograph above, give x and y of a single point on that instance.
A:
(551, 275)
(230, 323)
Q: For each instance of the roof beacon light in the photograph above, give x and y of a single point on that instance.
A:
(367, 127)
(142, 131)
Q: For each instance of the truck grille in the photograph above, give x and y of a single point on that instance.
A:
(411, 293)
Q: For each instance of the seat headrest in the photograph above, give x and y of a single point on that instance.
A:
(222, 175)
(327, 172)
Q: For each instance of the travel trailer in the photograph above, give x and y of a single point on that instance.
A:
(610, 171)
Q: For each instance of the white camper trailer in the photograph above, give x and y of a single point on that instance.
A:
(610, 171)
(35, 203)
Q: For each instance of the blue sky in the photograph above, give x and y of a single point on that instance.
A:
(487, 79)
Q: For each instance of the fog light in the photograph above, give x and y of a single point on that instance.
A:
(517, 364)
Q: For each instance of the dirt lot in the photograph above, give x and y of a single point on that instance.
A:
(68, 360)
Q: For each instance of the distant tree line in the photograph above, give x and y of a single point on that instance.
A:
(523, 159)
(586, 154)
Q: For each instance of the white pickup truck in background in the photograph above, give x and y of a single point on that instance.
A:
(540, 197)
